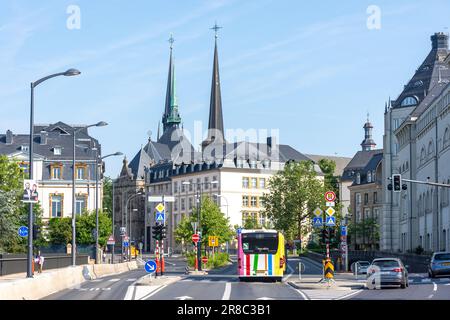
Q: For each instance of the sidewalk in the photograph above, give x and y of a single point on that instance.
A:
(341, 282)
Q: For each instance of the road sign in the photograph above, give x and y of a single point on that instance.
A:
(205, 259)
(317, 222)
(318, 212)
(239, 231)
(150, 266)
(160, 216)
(195, 238)
(330, 211)
(330, 196)
(343, 230)
(160, 207)
(160, 199)
(330, 204)
(23, 231)
(126, 243)
(330, 221)
(213, 241)
(122, 231)
(111, 240)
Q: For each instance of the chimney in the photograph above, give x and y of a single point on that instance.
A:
(9, 137)
(439, 40)
(44, 136)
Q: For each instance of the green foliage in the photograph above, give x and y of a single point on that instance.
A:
(294, 193)
(368, 229)
(60, 230)
(251, 223)
(107, 195)
(220, 259)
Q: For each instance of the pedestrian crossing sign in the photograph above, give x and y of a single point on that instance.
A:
(160, 216)
(317, 221)
(330, 221)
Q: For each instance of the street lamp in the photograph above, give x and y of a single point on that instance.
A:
(98, 124)
(139, 193)
(70, 72)
(198, 204)
(226, 200)
(96, 198)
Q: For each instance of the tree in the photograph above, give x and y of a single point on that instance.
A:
(251, 223)
(60, 230)
(107, 195)
(86, 223)
(212, 223)
(293, 195)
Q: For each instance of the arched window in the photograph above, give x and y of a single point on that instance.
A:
(409, 101)
(446, 137)
(430, 147)
(422, 155)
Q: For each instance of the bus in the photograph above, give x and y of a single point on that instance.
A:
(261, 255)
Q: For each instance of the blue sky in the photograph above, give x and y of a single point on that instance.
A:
(310, 69)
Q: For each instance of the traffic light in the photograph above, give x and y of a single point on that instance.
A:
(157, 231)
(397, 182)
(332, 233)
(163, 232)
(36, 231)
(324, 235)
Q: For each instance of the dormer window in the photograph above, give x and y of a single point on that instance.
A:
(24, 148)
(409, 101)
(418, 83)
(358, 178)
(57, 151)
(369, 177)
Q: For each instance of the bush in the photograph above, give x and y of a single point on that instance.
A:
(220, 259)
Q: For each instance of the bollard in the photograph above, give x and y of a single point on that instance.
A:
(329, 269)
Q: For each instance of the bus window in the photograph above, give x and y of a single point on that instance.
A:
(259, 243)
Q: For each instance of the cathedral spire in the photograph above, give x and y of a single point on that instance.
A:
(171, 117)
(215, 107)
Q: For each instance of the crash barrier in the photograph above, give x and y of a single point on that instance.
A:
(56, 280)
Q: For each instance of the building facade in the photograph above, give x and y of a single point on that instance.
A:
(52, 166)
(415, 145)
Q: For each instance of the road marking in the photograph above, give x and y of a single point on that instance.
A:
(349, 295)
(227, 292)
(430, 296)
(132, 279)
(265, 298)
(114, 280)
(91, 289)
(298, 291)
(434, 286)
(153, 292)
(184, 298)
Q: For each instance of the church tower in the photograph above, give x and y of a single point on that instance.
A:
(368, 144)
(171, 117)
(215, 124)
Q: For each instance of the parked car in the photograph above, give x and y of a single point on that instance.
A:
(360, 267)
(387, 271)
(439, 264)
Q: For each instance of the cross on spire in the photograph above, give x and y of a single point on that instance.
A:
(215, 28)
(171, 40)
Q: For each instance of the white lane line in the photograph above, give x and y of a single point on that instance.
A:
(114, 280)
(153, 292)
(349, 295)
(130, 292)
(430, 296)
(227, 292)
(131, 280)
(298, 291)
(434, 286)
(91, 289)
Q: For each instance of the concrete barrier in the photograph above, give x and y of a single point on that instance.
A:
(51, 282)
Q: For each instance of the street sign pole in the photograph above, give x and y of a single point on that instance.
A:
(162, 239)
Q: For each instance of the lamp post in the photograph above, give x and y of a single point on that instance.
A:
(139, 193)
(199, 204)
(96, 196)
(68, 73)
(226, 200)
(75, 131)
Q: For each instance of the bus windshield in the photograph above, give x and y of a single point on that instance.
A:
(259, 242)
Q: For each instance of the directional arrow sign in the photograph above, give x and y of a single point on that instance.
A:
(318, 212)
(331, 221)
(330, 211)
(150, 266)
(23, 231)
(317, 221)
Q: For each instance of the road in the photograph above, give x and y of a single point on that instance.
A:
(223, 284)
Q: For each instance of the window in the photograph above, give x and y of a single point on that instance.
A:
(25, 167)
(366, 213)
(24, 148)
(56, 171)
(190, 203)
(261, 201)
(430, 148)
(374, 176)
(245, 201)
(409, 101)
(175, 187)
(375, 197)
(262, 183)
(183, 204)
(245, 182)
(190, 184)
(446, 137)
(57, 151)
(358, 198)
(56, 205)
(81, 173)
(253, 201)
(175, 205)
(254, 183)
(206, 183)
(262, 219)
(183, 187)
(422, 155)
(358, 178)
(252, 164)
(80, 204)
(214, 184)
(366, 198)
(369, 176)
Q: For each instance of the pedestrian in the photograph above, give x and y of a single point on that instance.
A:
(40, 261)
(104, 256)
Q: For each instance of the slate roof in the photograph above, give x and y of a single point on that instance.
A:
(427, 76)
(359, 162)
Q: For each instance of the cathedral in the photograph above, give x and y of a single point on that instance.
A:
(234, 174)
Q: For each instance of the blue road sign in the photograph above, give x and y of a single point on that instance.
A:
(150, 266)
(331, 221)
(343, 230)
(126, 243)
(239, 230)
(317, 221)
(160, 216)
(23, 231)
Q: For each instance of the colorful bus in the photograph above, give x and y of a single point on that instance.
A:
(261, 255)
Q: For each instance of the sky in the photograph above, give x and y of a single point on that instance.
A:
(311, 69)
